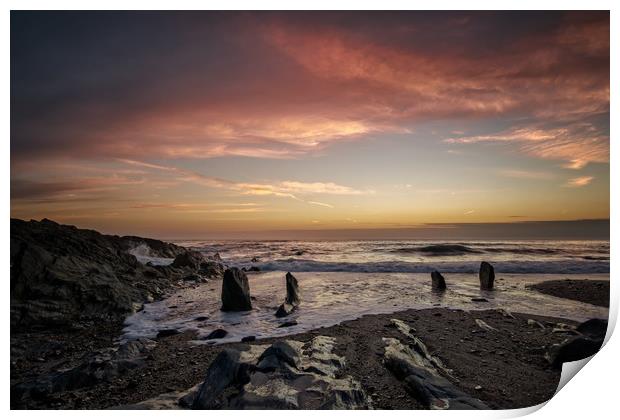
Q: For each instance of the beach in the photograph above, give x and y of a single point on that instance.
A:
(493, 347)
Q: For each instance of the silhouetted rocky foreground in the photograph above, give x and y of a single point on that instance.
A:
(72, 288)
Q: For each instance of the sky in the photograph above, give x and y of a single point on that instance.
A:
(195, 124)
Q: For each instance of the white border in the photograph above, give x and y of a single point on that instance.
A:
(592, 394)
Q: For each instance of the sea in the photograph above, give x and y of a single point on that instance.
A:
(344, 280)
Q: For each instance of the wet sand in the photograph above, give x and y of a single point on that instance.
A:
(594, 292)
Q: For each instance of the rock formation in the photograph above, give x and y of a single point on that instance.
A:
(286, 375)
(61, 275)
(423, 375)
(292, 300)
(235, 291)
(439, 283)
(487, 276)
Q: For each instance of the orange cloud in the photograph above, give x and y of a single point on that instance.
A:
(581, 181)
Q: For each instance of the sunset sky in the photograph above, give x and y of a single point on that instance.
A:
(192, 123)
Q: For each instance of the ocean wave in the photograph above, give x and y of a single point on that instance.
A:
(552, 267)
(440, 250)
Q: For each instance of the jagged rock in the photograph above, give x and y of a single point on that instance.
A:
(439, 283)
(423, 381)
(420, 349)
(248, 339)
(292, 300)
(286, 375)
(188, 259)
(487, 276)
(215, 334)
(235, 291)
(212, 268)
(577, 348)
(61, 275)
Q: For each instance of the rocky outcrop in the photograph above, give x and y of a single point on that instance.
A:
(487, 276)
(424, 376)
(236, 291)
(286, 375)
(61, 275)
(439, 283)
(104, 365)
(292, 300)
(587, 343)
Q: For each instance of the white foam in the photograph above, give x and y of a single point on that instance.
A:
(144, 254)
(330, 298)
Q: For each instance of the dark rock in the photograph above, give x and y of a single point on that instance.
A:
(576, 348)
(188, 259)
(287, 324)
(423, 381)
(292, 300)
(479, 300)
(167, 333)
(248, 339)
(593, 328)
(215, 334)
(235, 291)
(487, 276)
(62, 275)
(285, 310)
(282, 376)
(224, 371)
(201, 318)
(253, 268)
(254, 260)
(212, 269)
(292, 290)
(439, 283)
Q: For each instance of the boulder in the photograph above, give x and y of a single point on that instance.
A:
(579, 347)
(235, 291)
(487, 276)
(215, 334)
(439, 283)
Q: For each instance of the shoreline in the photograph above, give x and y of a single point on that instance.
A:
(505, 363)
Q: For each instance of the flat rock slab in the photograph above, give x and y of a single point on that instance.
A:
(423, 375)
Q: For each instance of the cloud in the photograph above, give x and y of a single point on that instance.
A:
(314, 80)
(317, 203)
(581, 139)
(581, 181)
(289, 189)
(517, 173)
